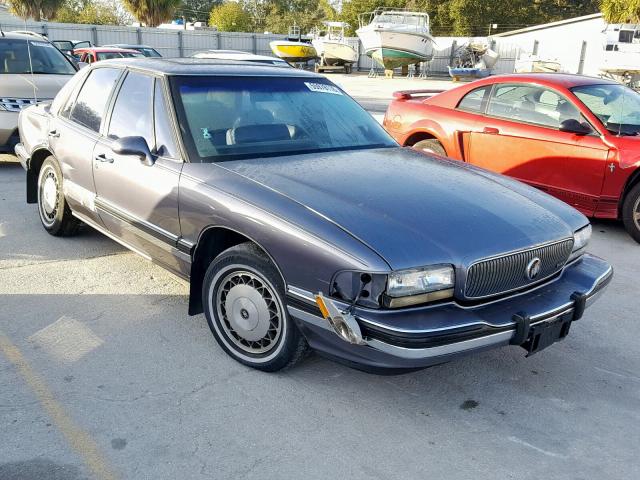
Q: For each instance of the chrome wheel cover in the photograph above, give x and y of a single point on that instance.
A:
(635, 212)
(49, 197)
(249, 311)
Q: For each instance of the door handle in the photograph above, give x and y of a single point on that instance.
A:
(54, 133)
(103, 158)
(490, 130)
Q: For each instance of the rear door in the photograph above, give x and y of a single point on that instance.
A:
(519, 136)
(138, 202)
(73, 134)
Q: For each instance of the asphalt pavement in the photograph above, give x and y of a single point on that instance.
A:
(104, 375)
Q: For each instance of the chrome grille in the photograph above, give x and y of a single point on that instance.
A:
(17, 104)
(509, 272)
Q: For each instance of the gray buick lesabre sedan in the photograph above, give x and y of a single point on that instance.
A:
(299, 222)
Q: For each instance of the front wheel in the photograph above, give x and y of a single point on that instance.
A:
(431, 145)
(55, 214)
(243, 301)
(631, 212)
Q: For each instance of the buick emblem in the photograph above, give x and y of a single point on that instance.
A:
(533, 268)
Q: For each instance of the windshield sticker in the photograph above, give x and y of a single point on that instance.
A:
(41, 44)
(323, 88)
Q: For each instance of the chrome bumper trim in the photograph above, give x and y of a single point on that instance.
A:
(494, 340)
(22, 155)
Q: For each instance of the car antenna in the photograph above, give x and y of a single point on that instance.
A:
(33, 83)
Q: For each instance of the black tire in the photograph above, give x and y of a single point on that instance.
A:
(238, 327)
(431, 145)
(631, 212)
(55, 214)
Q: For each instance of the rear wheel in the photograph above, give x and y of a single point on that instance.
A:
(631, 212)
(243, 298)
(430, 145)
(55, 214)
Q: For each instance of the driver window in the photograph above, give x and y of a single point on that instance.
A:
(132, 112)
(532, 104)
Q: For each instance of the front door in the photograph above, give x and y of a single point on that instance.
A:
(138, 202)
(520, 137)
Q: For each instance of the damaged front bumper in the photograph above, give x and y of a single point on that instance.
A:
(422, 336)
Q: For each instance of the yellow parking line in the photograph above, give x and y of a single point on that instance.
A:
(78, 439)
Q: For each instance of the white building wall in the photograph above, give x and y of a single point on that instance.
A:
(564, 42)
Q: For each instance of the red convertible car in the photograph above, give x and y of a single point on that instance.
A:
(575, 137)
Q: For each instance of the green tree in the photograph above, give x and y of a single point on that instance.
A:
(91, 12)
(306, 14)
(36, 9)
(231, 17)
(152, 12)
(621, 11)
(196, 10)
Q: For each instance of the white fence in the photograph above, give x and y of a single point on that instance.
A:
(183, 43)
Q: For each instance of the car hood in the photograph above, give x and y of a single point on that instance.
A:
(414, 209)
(21, 86)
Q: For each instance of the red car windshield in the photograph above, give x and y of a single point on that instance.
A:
(617, 106)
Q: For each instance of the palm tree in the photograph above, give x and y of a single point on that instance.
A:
(152, 12)
(621, 11)
(36, 9)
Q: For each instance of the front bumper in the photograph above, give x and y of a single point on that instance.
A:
(424, 336)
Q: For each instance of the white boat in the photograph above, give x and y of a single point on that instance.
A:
(396, 37)
(621, 56)
(332, 47)
(536, 64)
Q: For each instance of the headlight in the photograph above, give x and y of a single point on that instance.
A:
(419, 285)
(580, 241)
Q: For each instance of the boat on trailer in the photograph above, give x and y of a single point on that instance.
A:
(396, 37)
(536, 64)
(295, 48)
(333, 49)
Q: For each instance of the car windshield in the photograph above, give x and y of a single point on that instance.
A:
(617, 106)
(45, 58)
(112, 55)
(63, 44)
(227, 118)
(148, 51)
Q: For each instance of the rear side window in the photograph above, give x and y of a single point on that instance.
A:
(475, 100)
(132, 112)
(92, 99)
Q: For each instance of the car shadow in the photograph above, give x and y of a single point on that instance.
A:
(23, 240)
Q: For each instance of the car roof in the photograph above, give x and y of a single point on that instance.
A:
(24, 36)
(200, 66)
(566, 80)
(104, 50)
(127, 45)
(226, 55)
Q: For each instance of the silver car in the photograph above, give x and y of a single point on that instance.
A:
(31, 70)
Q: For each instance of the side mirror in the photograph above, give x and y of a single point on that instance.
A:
(571, 125)
(135, 147)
